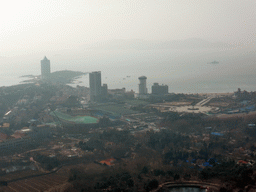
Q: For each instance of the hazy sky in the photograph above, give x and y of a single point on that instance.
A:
(39, 25)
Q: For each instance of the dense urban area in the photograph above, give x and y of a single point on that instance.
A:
(55, 137)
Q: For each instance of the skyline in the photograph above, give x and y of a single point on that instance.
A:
(182, 70)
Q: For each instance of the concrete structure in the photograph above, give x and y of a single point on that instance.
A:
(159, 89)
(95, 86)
(116, 91)
(45, 68)
(104, 91)
(143, 85)
(121, 93)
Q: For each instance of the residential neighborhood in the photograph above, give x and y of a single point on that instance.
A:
(47, 127)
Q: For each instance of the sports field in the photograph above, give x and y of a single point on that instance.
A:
(76, 119)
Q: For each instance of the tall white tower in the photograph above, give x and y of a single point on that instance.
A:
(45, 68)
(143, 85)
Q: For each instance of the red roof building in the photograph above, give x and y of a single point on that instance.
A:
(242, 162)
(109, 162)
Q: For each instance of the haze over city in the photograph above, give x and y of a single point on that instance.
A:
(127, 95)
(168, 41)
(31, 27)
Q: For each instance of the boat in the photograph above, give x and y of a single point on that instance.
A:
(214, 62)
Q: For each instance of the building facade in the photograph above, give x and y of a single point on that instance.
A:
(143, 85)
(45, 68)
(104, 91)
(159, 89)
(95, 86)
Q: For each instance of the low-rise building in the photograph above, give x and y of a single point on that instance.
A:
(24, 136)
(159, 89)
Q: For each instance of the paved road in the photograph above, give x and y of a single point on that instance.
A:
(204, 101)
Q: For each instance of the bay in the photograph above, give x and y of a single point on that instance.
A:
(184, 71)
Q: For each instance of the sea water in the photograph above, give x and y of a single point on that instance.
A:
(184, 71)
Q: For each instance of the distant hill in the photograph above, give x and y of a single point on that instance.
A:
(194, 43)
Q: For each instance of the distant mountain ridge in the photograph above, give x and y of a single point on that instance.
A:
(193, 43)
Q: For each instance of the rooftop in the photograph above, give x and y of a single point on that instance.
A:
(143, 77)
(45, 58)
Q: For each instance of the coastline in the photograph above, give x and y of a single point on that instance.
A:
(176, 87)
(64, 76)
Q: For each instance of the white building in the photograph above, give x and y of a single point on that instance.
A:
(143, 85)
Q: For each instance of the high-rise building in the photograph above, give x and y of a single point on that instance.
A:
(45, 68)
(159, 89)
(104, 90)
(143, 85)
(95, 85)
